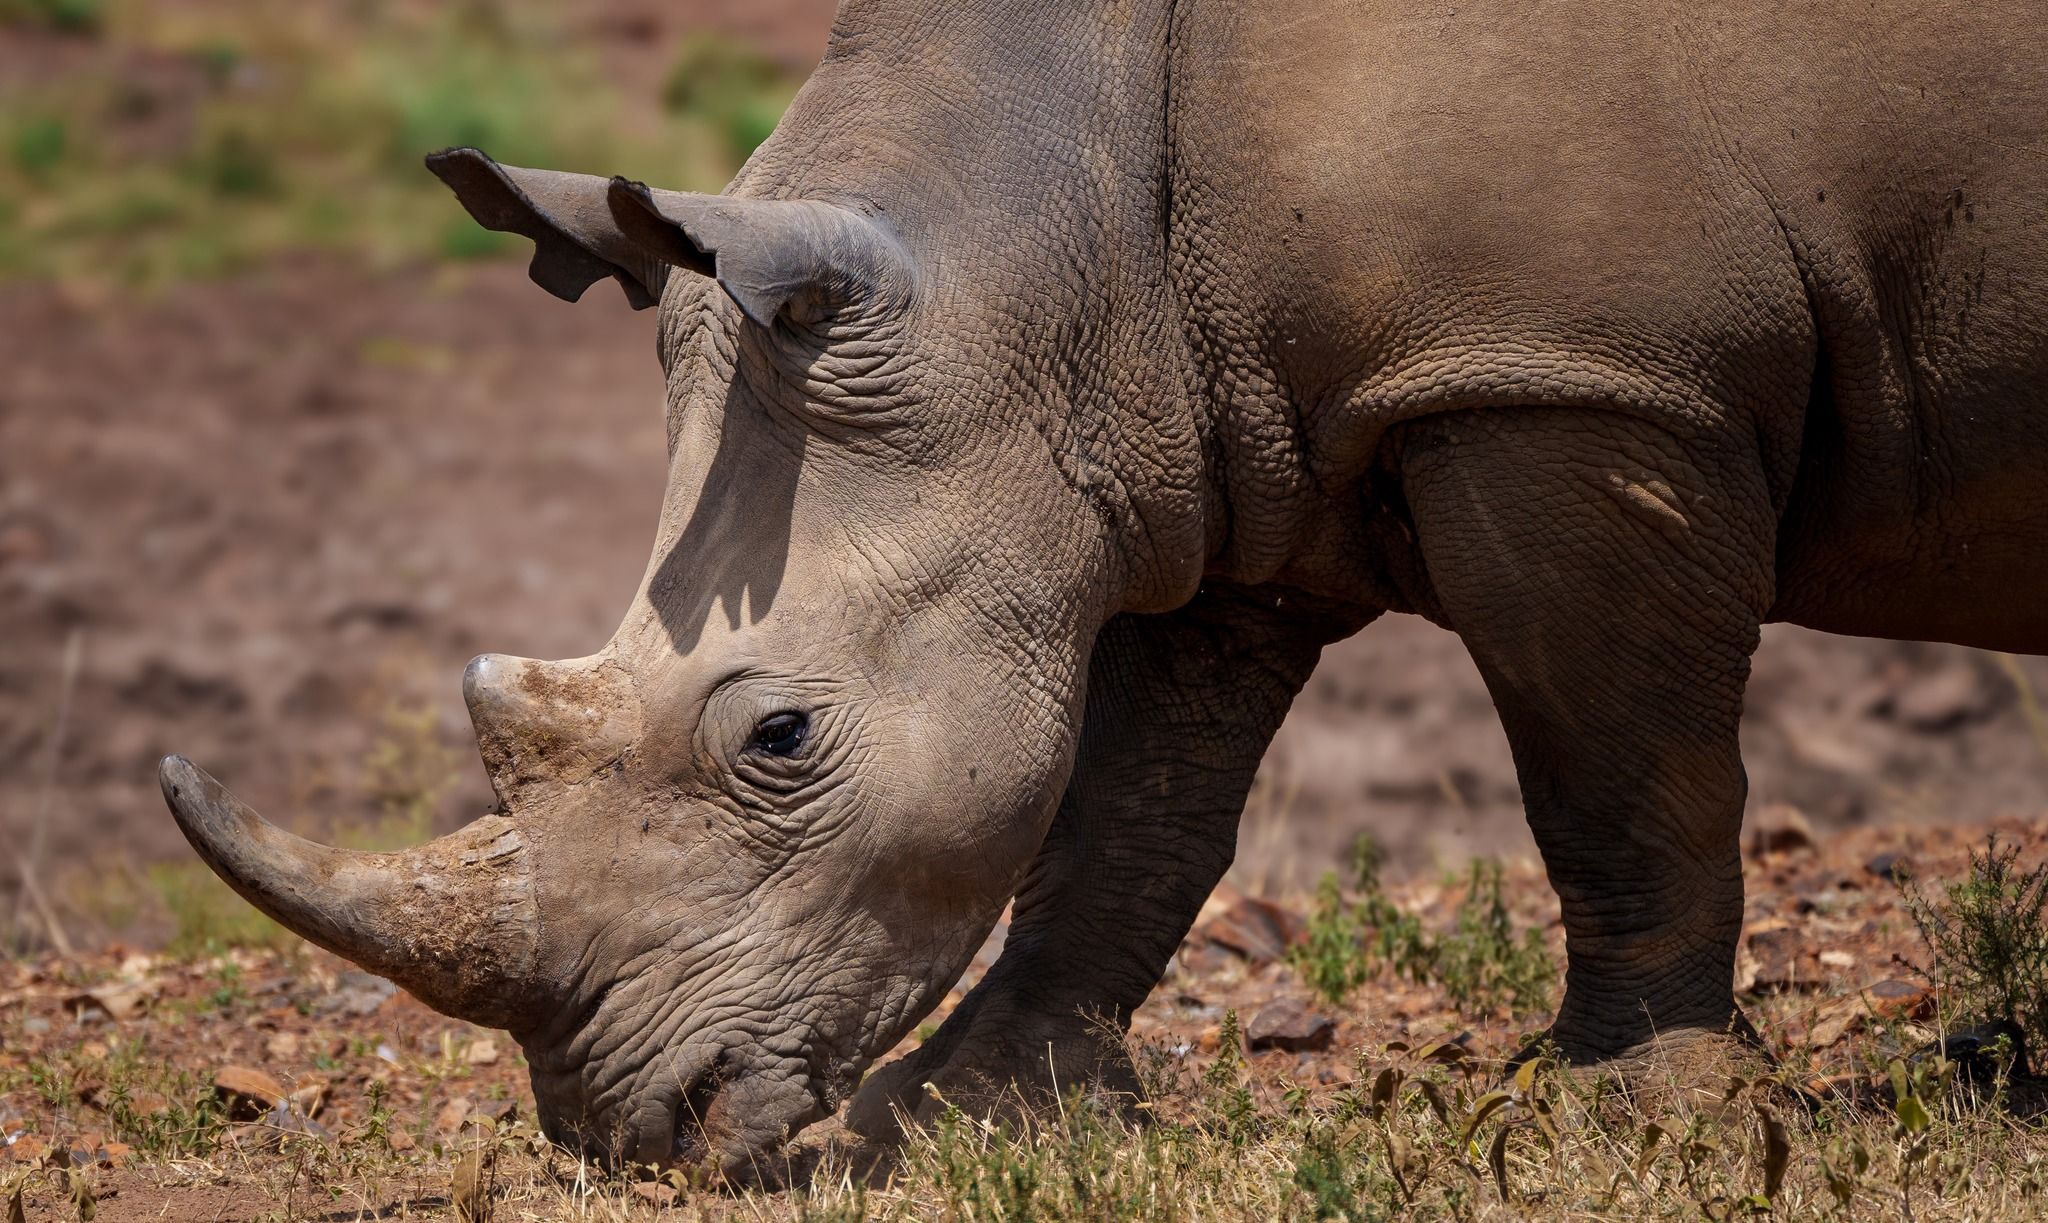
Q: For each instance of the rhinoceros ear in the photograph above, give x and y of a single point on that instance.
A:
(770, 253)
(576, 242)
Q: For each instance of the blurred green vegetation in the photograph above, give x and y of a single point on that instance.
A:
(143, 143)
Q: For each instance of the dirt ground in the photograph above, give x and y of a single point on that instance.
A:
(259, 1086)
(274, 509)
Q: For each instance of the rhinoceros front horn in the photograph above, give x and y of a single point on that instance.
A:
(453, 921)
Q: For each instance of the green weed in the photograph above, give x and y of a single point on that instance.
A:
(1989, 939)
(38, 143)
(67, 16)
(1481, 962)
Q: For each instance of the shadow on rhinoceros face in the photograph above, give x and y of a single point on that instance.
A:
(732, 551)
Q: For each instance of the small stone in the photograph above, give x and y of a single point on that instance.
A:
(399, 1141)
(448, 1121)
(282, 1046)
(1892, 866)
(1258, 930)
(500, 1112)
(1986, 1054)
(1288, 1024)
(657, 1192)
(1779, 828)
(1777, 949)
(1892, 998)
(482, 1053)
(1833, 958)
(1942, 700)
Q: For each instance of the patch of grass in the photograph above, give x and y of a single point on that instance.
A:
(1433, 1134)
(67, 16)
(1482, 963)
(407, 773)
(1989, 937)
(281, 127)
(37, 144)
(144, 1099)
(737, 90)
(207, 914)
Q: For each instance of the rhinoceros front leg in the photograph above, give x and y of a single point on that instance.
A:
(1180, 709)
(1609, 580)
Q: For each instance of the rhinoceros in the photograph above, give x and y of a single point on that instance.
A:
(1061, 377)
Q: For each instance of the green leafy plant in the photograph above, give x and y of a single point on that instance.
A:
(1481, 962)
(1989, 938)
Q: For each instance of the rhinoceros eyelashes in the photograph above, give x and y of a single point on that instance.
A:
(766, 254)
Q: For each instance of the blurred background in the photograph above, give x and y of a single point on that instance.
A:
(285, 439)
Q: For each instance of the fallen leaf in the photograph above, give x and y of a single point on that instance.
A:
(116, 1002)
(470, 1189)
(247, 1092)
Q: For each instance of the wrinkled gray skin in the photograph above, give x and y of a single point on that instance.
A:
(1061, 377)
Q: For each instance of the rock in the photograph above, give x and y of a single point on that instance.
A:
(399, 1141)
(1204, 959)
(501, 1112)
(1258, 930)
(1777, 949)
(1288, 1024)
(1986, 1053)
(1889, 865)
(282, 1046)
(1941, 700)
(448, 1122)
(482, 1053)
(657, 1192)
(1838, 959)
(247, 1092)
(1892, 998)
(1779, 828)
(356, 994)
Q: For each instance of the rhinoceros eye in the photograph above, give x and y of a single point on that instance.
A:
(782, 734)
